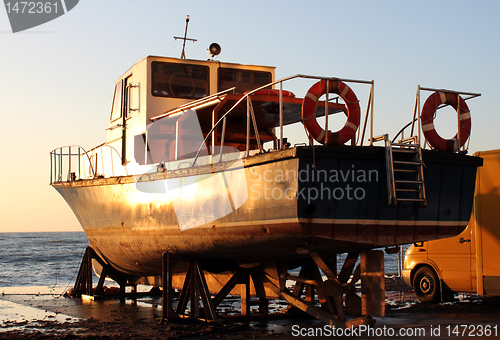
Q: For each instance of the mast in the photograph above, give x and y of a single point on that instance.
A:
(183, 54)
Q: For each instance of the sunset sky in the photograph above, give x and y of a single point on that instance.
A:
(57, 79)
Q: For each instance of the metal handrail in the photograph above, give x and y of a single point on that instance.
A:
(247, 95)
(193, 103)
(56, 162)
(74, 172)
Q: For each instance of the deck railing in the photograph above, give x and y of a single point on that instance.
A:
(251, 121)
(417, 119)
(72, 163)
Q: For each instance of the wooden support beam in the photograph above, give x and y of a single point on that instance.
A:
(83, 283)
(245, 295)
(100, 285)
(309, 289)
(355, 277)
(353, 304)
(312, 310)
(339, 307)
(333, 282)
(263, 306)
(298, 288)
(228, 287)
(260, 292)
(372, 283)
(184, 297)
(301, 280)
(323, 266)
(324, 299)
(202, 288)
(167, 309)
(299, 285)
(346, 271)
(193, 292)
(88, 270)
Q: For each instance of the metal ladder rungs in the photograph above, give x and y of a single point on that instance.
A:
(406, 170)
(408, 146)
(409, 182)
(411, 199)
(405, 150)
(406, 162)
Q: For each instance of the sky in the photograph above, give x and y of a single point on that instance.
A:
(57, 79)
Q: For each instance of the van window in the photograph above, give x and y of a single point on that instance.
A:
(116, 109)
(243, 80)
(179, 80)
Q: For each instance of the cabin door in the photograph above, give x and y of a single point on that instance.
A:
(126, 115)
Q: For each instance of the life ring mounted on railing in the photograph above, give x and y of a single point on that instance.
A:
(310, 104)
(427, 121)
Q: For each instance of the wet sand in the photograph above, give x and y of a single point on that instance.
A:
(41, 313)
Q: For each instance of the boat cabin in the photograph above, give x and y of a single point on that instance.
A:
(163, 109)
(144, 125)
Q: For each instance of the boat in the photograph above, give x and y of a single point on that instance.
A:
(196, 163)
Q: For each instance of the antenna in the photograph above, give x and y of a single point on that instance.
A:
(183, 55)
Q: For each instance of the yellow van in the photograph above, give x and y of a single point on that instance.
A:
(469, 262)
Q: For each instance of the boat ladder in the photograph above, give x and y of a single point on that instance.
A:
(405, 170)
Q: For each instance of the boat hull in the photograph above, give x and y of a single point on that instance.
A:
(324, 199)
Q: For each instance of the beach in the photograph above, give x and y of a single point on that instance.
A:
(35, 313)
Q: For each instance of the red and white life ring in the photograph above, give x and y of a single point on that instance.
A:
(273, 92)
(310, 104)
(427, 120)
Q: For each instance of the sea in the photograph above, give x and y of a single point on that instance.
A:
(41, 258)
(53, 258)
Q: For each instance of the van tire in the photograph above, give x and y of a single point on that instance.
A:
(426, 285)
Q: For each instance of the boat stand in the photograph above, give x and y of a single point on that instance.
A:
(328, 300)
(194, 288)
(84, 285)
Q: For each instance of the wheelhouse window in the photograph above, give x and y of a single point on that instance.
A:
(179, 80)
(116, 110)
(243, 80)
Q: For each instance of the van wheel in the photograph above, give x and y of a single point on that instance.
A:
(426, 285)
